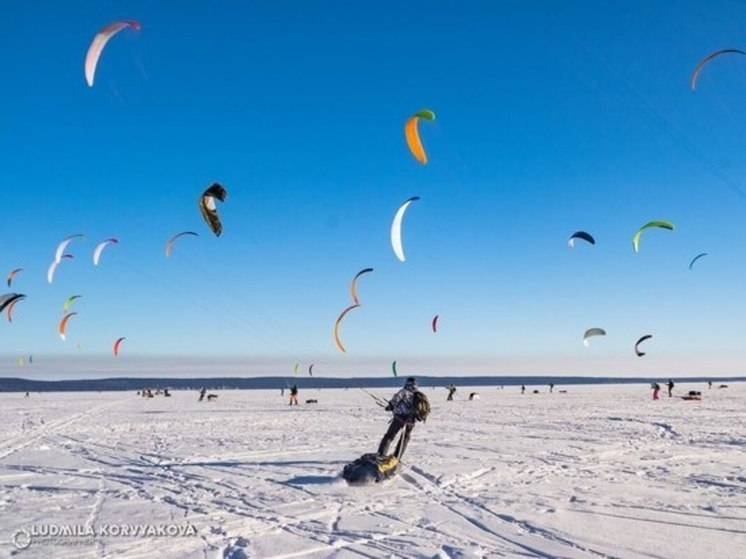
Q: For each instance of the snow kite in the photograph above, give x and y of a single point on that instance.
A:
(700, 255)
(10, 302)
(53, 267)
(99, 249)
(98, 44)
(295, 369)
(652, 224)
(338, 322)
(68, 302)
(63, 324)
(310, 369)
(592, 332)
(393, 369)
(209, 209)
(13, 274)
(412, 134)
(170, 242)
(116, 346)
(580, 235)
(435, 323)
(396, 243)
(353, 284)
(11, 306)
(706, 60)
(642, 339)
(59, 254)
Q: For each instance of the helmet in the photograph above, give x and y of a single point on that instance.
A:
(411, 381)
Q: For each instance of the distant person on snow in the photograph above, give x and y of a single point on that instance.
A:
(408, 405)
(523, 388)
(670, 386)
(551, 388)
(451, 392)
(202, 394)
(656, 389)
(294, 395)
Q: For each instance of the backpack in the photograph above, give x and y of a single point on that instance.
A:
(420, 406)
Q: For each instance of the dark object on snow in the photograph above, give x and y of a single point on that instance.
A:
(370, 468)
(692, 395)
(451, 392)
(723, 386)
(474, 396)
(211, 397)
(563, 391)
(536, 391)
(312, 401)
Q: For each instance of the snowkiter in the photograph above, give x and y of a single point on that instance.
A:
(294, 395)
(408, 405)
(670, 386)
(451, 392)
(656, 389)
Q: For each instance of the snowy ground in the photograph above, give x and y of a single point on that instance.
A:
(601, 471)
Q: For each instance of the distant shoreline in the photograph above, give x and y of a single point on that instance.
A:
(274, 382)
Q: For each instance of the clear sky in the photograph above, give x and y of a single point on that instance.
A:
(552, 117)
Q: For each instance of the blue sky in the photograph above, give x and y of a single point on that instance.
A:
(551, 118)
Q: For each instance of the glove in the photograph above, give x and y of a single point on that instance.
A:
(388, 408)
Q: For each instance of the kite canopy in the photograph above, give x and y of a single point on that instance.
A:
(59, 254)
(706, 60)
(11, 306)
(591, 332)
(700, 255)
(412, 134)
(13, 274)
(393, 369)
(8, 299)
(117, 344)
(98, 44)
(170, 242)
(580, 235)
(209, 209)
(53, 267)
(637, 344)
(650, 225)
(68, 302)
(435, 323)
(99, 249)
(63, 325)
(310, 369)
(353, 284)
(396, 242)
(341, 316)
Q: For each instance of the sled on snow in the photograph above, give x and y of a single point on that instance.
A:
(370, 468)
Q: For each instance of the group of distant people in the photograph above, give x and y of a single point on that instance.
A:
(148, 393)
(657, 388)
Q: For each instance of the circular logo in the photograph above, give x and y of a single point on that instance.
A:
(21, 539)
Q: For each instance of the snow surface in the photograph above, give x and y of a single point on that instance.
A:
(601, 471)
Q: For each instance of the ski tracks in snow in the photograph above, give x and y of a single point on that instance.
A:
(509, 535)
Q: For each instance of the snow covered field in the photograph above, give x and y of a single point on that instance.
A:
(601, 471)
